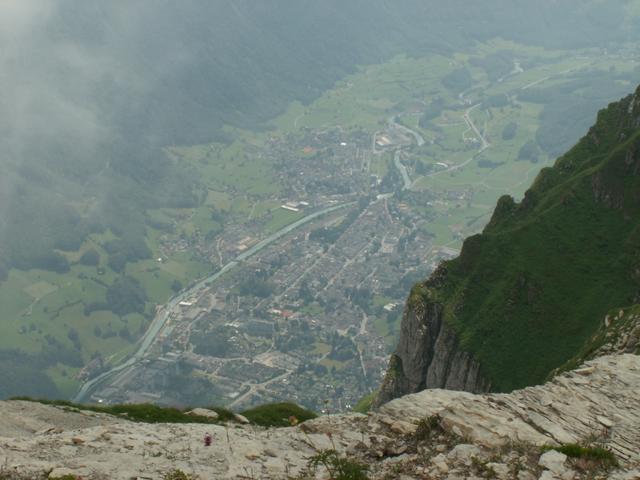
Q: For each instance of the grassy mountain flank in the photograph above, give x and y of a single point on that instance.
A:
(618, 333)
(527, 294)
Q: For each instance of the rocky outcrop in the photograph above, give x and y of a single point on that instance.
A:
(435, 434)
(515, 296)
(428, 353)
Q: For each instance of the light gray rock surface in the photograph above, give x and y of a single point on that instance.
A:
(204, 412)
(428, 354)
(395, 440)
(564, 410)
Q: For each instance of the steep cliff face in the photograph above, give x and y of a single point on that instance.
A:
(428, 353)
(527, 295)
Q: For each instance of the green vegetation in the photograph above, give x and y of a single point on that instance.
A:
(338, 467)
(365, 403)
(177, 475)
(526, 294)
(529, 151)
(482, 468)
(85, 223)
(278, 415)
(270, 415)
(509, 131)
(600, 456)
(143, 413)
(458, 80)
(428, 427)
(618, 324)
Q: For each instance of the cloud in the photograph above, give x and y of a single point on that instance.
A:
(19, 17)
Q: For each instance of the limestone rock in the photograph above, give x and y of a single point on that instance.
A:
(553, 461)
(241, 419)
(428, 356)
(528, 416)
(440, 462)
(204, 412)
(464, 453)
(525, 475)
(469, 426)
(403, 428)
(501, 470)
(630, 475)
(62, 472)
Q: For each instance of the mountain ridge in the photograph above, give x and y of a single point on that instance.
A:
(526, 295)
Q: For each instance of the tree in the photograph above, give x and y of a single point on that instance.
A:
(126, 296)
(257, 287)
(72, 335)
(4, 269)
(90, 258)
(458, 80)
(509, 131)
(117, 262)
(53, 262)
(176, 286)
(529, 151)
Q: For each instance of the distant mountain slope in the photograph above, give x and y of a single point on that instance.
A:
(92, 90)
(527, 294)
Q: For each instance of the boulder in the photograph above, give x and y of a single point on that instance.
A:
(440, 462)
(554, 462)
(203, 412)
(464, 454)
(502, 470)
(241, 419)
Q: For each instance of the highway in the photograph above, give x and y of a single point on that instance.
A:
(161, 318)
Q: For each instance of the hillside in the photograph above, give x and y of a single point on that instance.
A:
(433, 434)
(92, 110)
(527, 294)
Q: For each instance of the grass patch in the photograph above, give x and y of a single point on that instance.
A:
(280, 218)
(278, 415)
(338, 468)
(427, 428)
(365, 403)
(598, 455)
(177, 475)
(270, 415)
(143, 413)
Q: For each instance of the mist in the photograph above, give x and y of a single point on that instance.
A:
(121, 119)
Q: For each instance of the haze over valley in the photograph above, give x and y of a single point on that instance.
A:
(228, 202)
